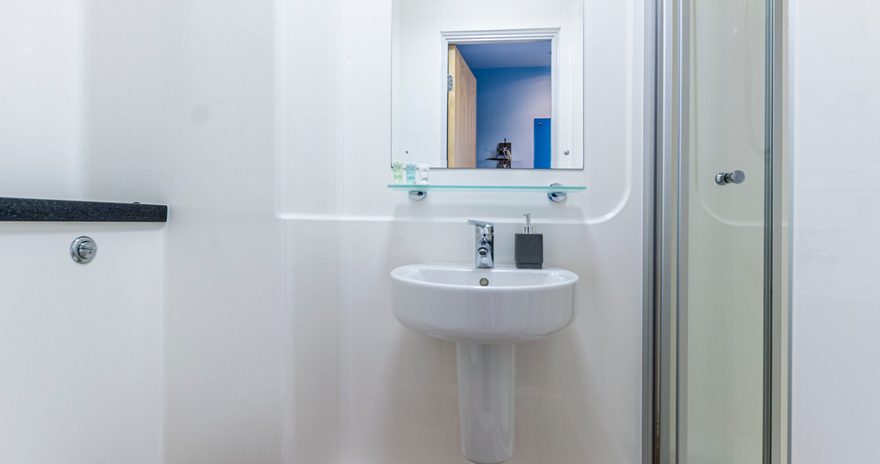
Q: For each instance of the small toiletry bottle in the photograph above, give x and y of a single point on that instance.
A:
(410, 173)
(397, 171)
(528, 247)
(422, 173)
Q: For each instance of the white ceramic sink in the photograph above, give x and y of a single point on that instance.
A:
(485, 311)
(515, 305)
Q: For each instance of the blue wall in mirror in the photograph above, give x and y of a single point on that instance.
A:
(514, 89)
(508, 102)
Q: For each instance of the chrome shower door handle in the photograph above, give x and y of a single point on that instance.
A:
(735, 177)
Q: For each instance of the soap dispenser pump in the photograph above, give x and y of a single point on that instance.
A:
(528, 247)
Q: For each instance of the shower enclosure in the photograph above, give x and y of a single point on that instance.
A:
(717, 360)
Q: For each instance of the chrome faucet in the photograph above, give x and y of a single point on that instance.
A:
(485, 244)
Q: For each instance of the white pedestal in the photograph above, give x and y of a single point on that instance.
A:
(486, 390)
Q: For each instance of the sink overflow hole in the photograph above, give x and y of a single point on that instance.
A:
(484, 282)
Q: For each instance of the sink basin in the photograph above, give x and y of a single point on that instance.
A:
(515, 305)
(486, 312)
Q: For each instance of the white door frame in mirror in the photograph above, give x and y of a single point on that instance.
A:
(566, 143)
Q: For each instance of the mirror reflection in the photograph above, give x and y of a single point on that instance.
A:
(495, 84)
(499, 105)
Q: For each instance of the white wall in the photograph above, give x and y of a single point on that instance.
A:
(80, 345)
(836, 298)
(366, 390)
(182, 111)
(41, 95)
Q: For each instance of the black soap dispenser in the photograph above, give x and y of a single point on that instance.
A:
(528, 247)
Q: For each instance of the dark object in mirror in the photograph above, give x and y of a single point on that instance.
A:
(503, 155)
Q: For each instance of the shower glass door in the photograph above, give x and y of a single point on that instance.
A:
(721, 318)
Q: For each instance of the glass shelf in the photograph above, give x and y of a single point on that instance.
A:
(555, 192)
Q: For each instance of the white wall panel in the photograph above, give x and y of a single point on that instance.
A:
(836, 298)
(41, 98)
(81, 345)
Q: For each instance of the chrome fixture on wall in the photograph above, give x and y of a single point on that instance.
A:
(485, 244)
(83, 250)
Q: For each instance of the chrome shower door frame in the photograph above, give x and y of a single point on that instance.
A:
(666, 236)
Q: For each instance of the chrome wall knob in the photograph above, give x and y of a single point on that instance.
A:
(83, 250)
(735, 177)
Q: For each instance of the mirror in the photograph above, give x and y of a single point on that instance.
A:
(488, 85)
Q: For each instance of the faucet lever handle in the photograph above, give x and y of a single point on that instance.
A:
(483, 224)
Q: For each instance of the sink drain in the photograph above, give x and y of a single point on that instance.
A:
(484, 282)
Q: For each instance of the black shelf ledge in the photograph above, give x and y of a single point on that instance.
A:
(36, 210)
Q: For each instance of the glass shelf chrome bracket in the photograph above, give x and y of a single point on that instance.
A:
(556, 192)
